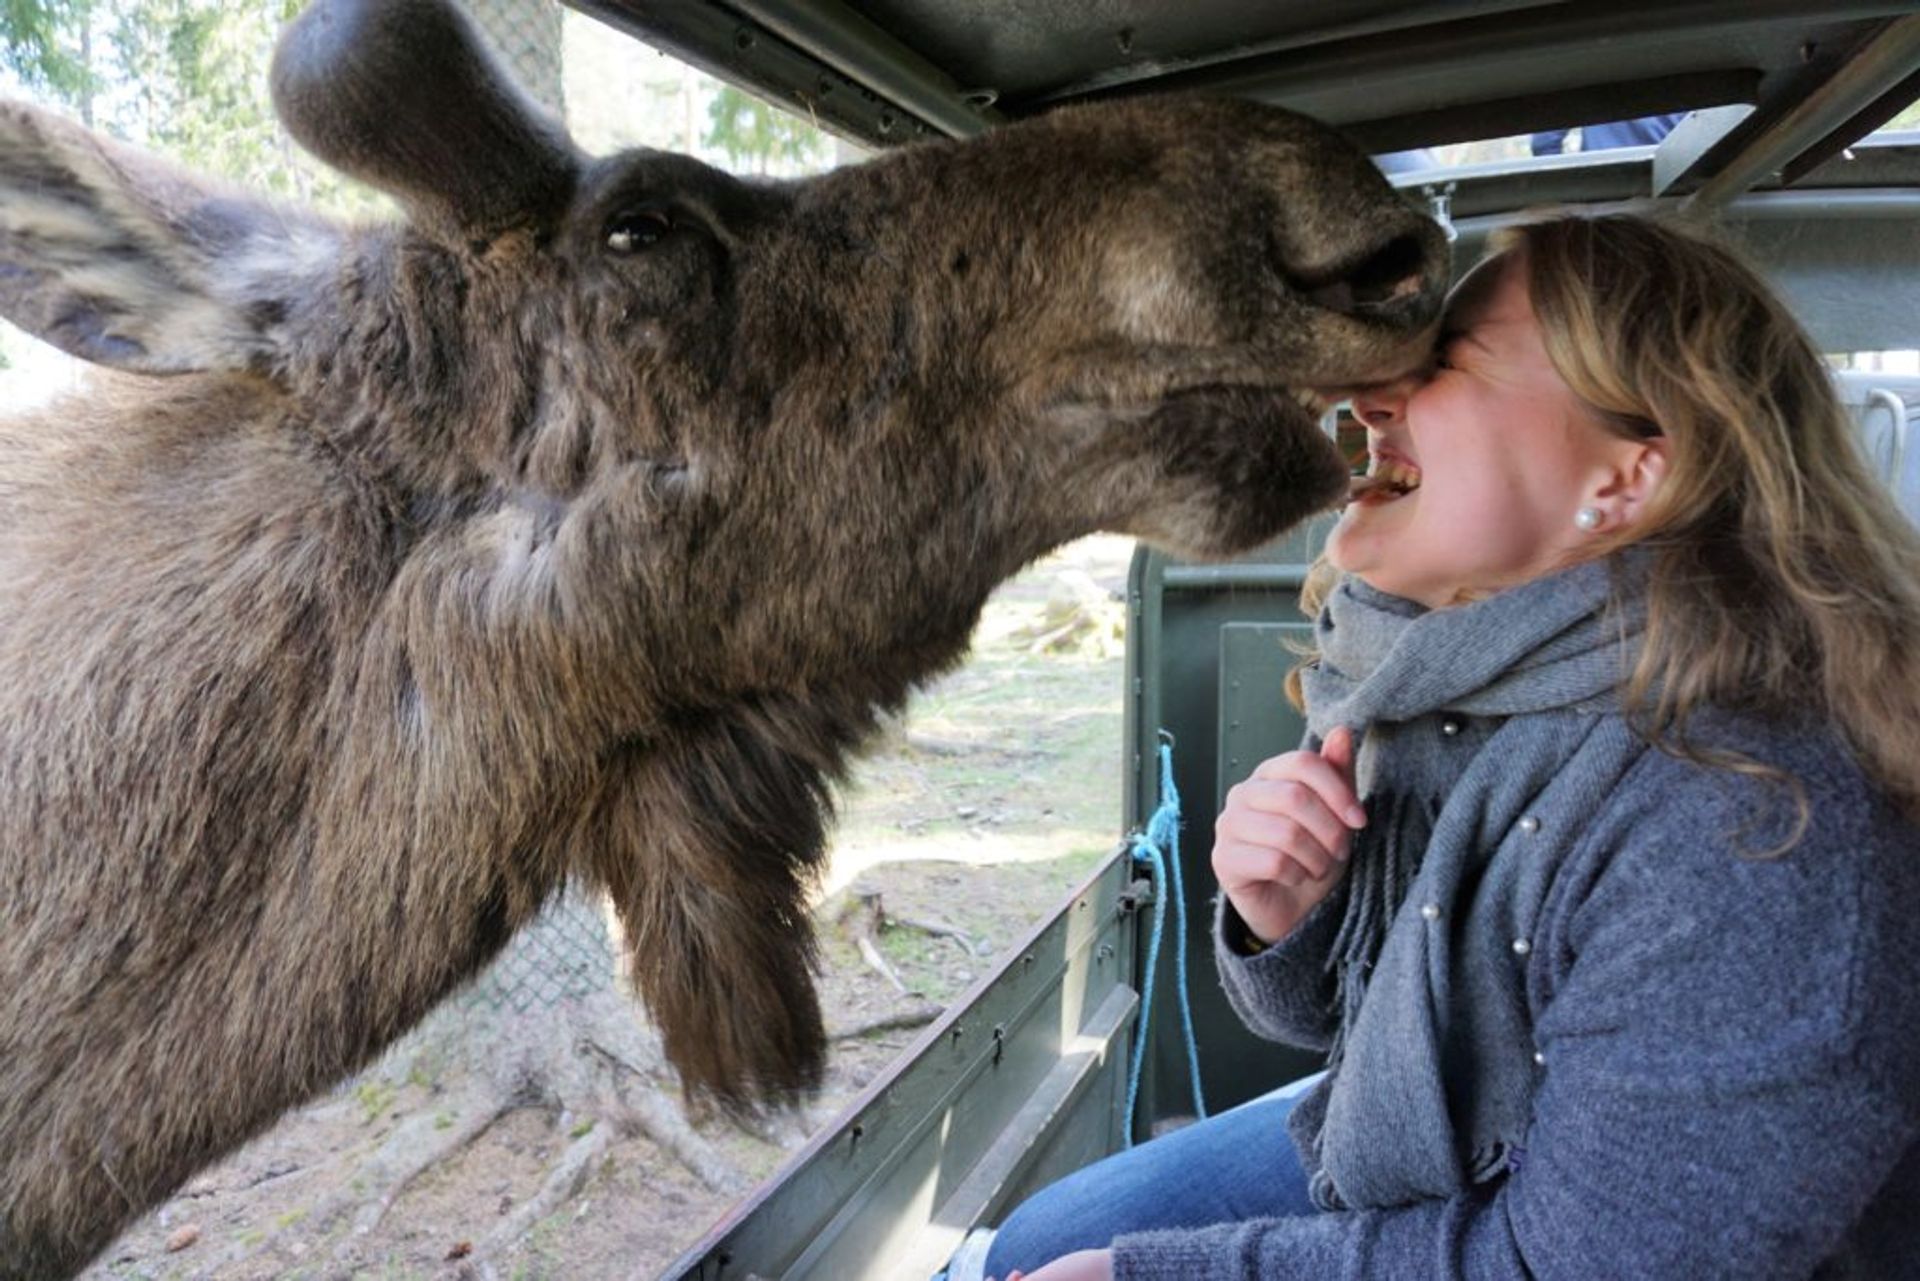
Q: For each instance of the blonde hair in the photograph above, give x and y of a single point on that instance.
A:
(1784, 580)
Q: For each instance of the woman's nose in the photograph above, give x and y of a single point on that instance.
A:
(1383, 405)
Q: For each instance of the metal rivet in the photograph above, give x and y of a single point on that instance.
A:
(1449, 727)
(1431, 911)
(1529, 825)
(1521, 947)
(1540, 1058)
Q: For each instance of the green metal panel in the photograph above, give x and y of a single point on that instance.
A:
(1256, 721)
(1196, 630)
(1020, 1082)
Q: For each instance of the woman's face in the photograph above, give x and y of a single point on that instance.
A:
(1502, 455)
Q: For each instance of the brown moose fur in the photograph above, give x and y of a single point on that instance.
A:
(464, 556)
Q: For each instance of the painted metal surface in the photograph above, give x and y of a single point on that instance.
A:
(1021, 1081)
(1204, 665)
(1394, 75)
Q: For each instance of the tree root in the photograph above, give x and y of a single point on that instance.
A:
(564, 1179)
(664, 1125)
(416, 1145)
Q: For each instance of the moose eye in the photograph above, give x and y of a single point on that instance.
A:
(629, 233)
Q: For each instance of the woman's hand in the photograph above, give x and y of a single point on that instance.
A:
(1081, 1265)
(1280, 844)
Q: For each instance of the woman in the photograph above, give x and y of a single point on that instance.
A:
(1610, 922)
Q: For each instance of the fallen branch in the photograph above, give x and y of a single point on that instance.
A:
(861, 918)
(939, 929)
(916, 1015)
(870, 953)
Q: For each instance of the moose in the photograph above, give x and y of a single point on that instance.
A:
(575, 527)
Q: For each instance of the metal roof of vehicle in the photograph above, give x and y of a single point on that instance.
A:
(1777, 89)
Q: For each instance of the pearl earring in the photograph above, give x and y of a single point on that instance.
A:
(1589, 518)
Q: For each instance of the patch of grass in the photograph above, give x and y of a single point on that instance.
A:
(542, 1244)
(290, 1218)
(390, 1271)
(443, 1120)
(582, 1129)
(374, 1098)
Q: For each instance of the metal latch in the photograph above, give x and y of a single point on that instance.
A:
(1137, 895)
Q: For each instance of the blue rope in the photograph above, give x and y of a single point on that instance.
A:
(1158, 848)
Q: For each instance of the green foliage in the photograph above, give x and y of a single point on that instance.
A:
(43, 43)
(186, 78)
(761, 137)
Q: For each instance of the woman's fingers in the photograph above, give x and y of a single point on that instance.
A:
(1237, 865)
(1337, 751)
(1329, 774)
(1283, 836)
(1283, 815)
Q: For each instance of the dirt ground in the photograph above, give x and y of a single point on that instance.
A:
(995, 795)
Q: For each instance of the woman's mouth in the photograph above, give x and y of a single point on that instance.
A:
(1387, 480)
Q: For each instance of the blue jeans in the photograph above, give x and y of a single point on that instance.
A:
(1238, 1165)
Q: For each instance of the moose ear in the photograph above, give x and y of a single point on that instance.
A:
(119, 259)
(404, 95)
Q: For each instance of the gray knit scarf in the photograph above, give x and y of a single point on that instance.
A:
(1432, 1078)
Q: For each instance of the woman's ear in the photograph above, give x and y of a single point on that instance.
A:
(1637, 469)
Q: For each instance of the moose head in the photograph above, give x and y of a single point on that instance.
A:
(577, 526)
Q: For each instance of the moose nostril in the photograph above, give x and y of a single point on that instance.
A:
(1393, 272)
(1386, 277)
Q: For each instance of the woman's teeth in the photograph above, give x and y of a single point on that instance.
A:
(1399, 476)
(1395, 478)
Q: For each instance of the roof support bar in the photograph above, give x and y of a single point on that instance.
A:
(844, 40)
(1682, 150)
(1889, 58)
(1891, 104)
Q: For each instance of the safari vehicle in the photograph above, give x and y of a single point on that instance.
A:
(1079, 1043)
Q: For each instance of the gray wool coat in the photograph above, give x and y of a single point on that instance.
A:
(1720, 1055)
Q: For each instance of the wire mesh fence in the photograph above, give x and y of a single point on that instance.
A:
(526, 35)
(563, 954)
